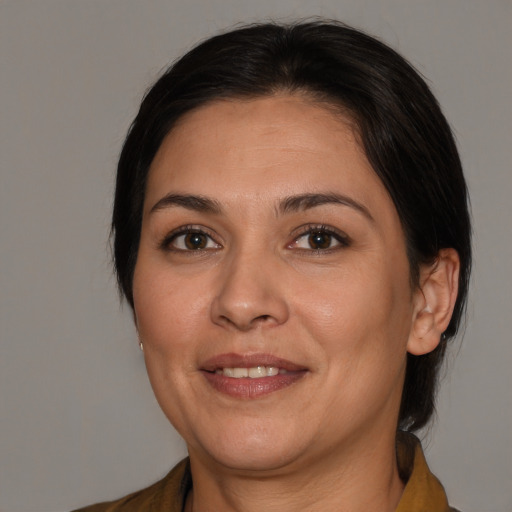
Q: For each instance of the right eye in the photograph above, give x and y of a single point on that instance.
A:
(190, 240)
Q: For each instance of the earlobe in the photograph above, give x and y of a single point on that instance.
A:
(434, 302)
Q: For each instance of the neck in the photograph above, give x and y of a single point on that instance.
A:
(356, 479)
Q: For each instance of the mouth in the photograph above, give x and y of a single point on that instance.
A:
(251, 376)
(254, 372)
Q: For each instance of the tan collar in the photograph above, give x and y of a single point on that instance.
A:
(423, 491)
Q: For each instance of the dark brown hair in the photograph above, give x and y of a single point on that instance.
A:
(404, 134)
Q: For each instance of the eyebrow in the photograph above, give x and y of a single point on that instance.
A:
(289, 204)
(190, 202)
(307, 201)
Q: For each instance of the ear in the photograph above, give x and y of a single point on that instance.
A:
(434, 301)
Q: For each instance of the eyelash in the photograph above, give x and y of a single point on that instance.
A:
(341, 238)
(166, 243)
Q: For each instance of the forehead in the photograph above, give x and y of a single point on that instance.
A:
(261, 148)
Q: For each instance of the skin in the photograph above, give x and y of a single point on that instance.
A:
(345, 314)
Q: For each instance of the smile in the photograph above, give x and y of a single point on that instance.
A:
(250, 376)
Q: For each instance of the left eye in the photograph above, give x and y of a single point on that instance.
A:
(319, 240)
(192, 241)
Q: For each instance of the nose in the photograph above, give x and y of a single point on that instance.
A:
(250, 294)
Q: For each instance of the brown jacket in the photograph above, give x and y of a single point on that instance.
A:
(423, 491)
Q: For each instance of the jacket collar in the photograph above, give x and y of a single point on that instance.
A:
(423, 491)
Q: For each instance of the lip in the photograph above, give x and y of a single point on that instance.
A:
(233, 360)
(250, 388)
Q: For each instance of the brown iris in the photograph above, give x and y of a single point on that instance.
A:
(319, 240)
(194, 241)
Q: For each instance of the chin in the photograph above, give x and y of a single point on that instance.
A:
(253, 459)
(255, 449)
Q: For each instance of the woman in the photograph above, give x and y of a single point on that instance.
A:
(291, 230)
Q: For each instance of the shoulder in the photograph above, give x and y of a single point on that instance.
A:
(167, 494)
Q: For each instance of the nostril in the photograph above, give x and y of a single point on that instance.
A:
(240, 324)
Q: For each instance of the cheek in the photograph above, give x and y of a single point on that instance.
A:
(364, 306)
(170, 319)
(170, 310)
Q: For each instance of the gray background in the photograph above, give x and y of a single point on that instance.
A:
(78, 421)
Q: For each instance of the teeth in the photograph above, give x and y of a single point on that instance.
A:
(255, 372)
(239, 373)
(259, 371)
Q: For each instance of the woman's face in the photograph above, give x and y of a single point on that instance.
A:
(272, 288)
